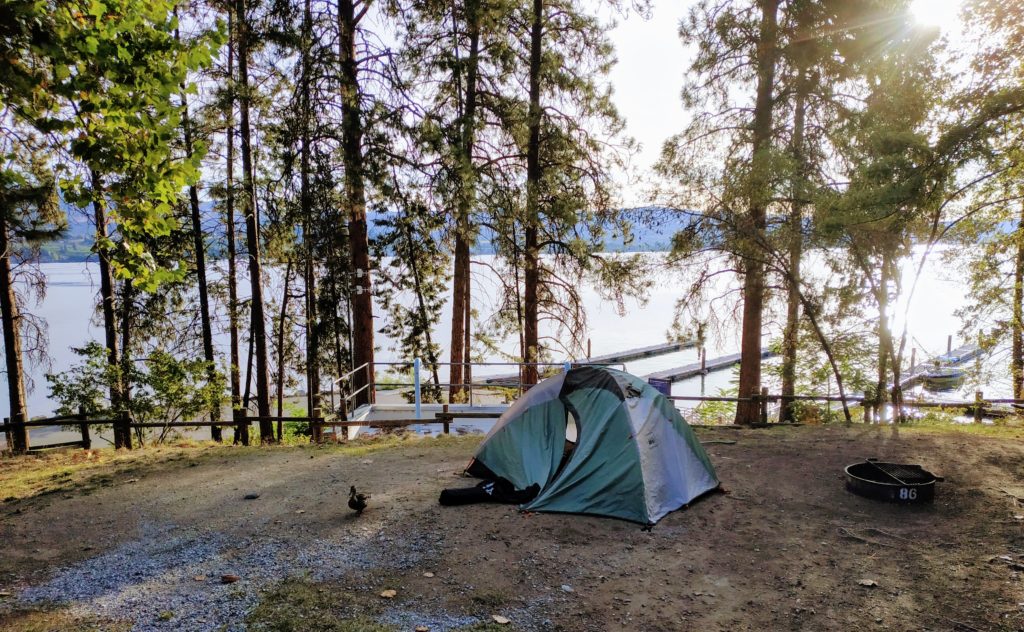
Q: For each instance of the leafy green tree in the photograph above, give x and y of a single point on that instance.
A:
(572, 139)
(29, 216)
(166, 390)
(110, 67)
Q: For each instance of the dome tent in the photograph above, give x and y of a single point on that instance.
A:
(634, 458)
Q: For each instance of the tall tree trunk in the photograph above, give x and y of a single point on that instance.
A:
(241, 430)
(748, 412)
(282, 321)
(461, 288)
(200, 250)
(791, 332)
(252, 231)
(12, 341)
(122, 435)
(355, 201)
(531, 263)
(884, 341)
(1017, 324)
(126, 331)
(306, 202)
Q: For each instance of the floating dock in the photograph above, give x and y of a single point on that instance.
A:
(954, 357)
(641, 352)
(511, 379)
(697, 368)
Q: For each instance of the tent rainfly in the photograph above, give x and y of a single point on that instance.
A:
(597, 441)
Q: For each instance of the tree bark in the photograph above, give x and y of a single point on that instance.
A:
(884, 341)
(306, 202)
(252, 232)
(200, 251)
(241, 430)
(282, 321)
(461, 289)
(11, 318)
(747, 412)
(122, 435)
(1017, 324)
(791, 332)
(531, 267)
(126, 331)
(355, 201)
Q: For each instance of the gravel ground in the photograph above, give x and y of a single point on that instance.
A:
(170, 574)
(785, 550)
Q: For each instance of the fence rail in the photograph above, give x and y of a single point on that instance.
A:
(979, 407)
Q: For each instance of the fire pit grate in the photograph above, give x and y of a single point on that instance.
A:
(892, 482)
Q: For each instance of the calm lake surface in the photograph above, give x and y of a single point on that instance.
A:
(69, 310)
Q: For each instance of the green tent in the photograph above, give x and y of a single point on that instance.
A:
(597, 441)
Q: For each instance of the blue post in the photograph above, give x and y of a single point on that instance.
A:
(568, 365)
(416, 382)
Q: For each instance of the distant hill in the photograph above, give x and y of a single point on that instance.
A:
(652, 230)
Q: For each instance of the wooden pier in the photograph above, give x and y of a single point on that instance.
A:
(511, 379)
(707, 366)
(952, 357)
(641, 352)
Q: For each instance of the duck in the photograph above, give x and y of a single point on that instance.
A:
(357, 501)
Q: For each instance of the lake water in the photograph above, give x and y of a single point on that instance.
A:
(69, 310)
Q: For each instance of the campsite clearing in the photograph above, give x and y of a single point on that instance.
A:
(788, 548)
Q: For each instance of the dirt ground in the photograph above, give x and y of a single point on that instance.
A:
(786, 548)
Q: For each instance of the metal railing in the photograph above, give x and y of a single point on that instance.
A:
(520, 384)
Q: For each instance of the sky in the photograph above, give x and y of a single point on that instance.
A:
(647, 81)
(652, 63)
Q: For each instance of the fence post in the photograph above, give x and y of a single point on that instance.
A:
(416, 385)
(373, 385)
(913, 359)
(755, 402)
(447, 421)
(83, 425)
(317, 423)
(20, 434)
(949, 344)
(764, 404)
(241, 425)
(466, 375)
(978, 403)
(125, 423)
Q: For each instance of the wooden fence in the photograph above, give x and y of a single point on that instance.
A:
(978, 408)
(83, 422)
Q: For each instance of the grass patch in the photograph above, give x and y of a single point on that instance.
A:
(299, 604)
(33, 475)
(23, 477)
(942, 423)
(49, 620)
(385, 441)
(489, 598)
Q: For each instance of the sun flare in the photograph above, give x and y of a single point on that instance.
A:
(944, 14)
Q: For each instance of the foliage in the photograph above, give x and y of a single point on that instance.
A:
(111, 68)
(166, 390)
(299, 603)
(416, 269)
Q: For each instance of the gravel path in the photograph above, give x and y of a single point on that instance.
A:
(170, 578)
